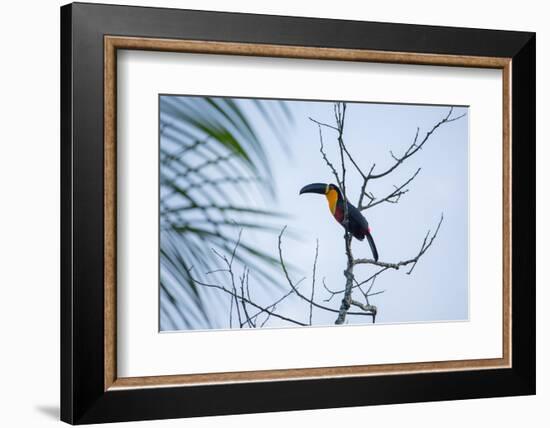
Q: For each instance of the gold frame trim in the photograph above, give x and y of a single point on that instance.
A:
(112, 43)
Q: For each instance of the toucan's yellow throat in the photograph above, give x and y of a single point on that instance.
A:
(332, 198)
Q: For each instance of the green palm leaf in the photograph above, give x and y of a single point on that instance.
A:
(214, 176)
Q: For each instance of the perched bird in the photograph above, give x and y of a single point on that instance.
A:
(358, 225)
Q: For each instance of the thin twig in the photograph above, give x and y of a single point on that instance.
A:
(326, 159)
(392, 197)
(415, 147)
(251, 303)
(313, 283)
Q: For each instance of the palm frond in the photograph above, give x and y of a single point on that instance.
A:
(214, 177)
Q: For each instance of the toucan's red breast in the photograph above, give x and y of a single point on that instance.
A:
(338, 213)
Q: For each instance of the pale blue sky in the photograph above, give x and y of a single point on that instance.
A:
(437, 290)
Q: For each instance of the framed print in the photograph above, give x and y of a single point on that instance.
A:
(316, 212)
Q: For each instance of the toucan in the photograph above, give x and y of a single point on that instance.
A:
(358, 225)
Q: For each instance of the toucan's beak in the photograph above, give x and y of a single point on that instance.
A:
(315, 188)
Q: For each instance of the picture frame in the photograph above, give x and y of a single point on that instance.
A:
(91, 35)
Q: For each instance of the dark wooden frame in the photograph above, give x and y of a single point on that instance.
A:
(90, 34)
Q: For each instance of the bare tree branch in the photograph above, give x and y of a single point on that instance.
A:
(323, 124)
(427, 243)
(357, 284)
(325, 157)
(340, 113)
(263, 309)
(243, 299)
(364, 187)
(248, 320)
(296, 291)
(313, 283)
(393, 197)
(367, 308)
(415, 146)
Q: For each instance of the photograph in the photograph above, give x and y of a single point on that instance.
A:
(263, 211)
(277, 213)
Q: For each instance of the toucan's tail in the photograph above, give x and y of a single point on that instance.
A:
(372, 246)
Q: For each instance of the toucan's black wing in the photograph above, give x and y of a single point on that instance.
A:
(357, 220)
(360, 228)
